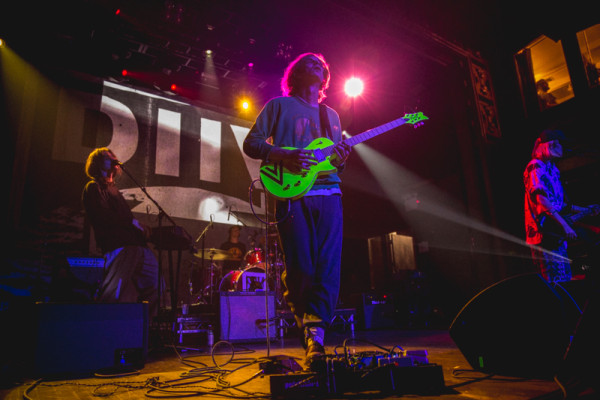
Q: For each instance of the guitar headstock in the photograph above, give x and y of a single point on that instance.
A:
(415, 119)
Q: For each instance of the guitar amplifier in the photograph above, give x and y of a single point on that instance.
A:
(243, 316)
(378, 311)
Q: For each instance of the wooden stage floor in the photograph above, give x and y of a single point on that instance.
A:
(232, 371)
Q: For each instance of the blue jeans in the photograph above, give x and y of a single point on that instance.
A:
(311, 238)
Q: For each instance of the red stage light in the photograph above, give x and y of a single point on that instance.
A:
(173, 87)
(124, 72)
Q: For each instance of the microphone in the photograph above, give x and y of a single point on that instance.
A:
(229, 213)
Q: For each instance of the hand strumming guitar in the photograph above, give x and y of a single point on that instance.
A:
(295, 160)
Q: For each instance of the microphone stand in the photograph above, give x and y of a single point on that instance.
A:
(268, 224)
(159, 245)
(238, 218)
(202, 237)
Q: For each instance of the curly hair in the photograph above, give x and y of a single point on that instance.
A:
(290, 83)
(93, 164)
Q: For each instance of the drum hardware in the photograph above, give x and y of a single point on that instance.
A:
(206, 275)
(212, 254)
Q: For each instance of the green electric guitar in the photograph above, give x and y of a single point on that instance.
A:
(284, 185)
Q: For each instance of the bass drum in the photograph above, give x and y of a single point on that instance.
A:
(248, 280)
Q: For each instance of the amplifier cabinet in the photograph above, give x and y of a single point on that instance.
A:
(242, 316)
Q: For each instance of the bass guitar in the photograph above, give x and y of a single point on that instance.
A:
(552, 228)
(284, 185)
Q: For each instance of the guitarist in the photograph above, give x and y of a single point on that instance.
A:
(545, 205)
(310, 227)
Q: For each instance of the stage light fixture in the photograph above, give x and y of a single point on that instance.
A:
(2, 42)
(354, 87)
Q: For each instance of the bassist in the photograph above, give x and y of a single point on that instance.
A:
(546, 206)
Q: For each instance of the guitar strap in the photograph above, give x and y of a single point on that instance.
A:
(325, 126)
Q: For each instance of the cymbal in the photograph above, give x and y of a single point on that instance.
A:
(213, 254)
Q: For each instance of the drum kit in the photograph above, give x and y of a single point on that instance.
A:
(252, 276)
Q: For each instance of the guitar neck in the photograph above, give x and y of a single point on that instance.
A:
(371, 133)
(581, 214)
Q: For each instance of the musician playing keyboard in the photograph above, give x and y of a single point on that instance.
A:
(131, 268)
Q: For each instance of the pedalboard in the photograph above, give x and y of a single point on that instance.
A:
(410, 373)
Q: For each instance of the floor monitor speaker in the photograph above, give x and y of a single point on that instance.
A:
(578, 365)
(80, 339)
(520, 326)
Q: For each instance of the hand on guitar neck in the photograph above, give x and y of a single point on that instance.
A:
(341, 151)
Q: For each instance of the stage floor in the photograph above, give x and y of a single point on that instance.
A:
(232, 371)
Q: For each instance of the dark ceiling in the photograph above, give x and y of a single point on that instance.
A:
(165, 40)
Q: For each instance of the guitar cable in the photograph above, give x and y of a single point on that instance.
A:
(266, 222)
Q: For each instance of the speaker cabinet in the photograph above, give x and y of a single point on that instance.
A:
(80, 339)
(390, 256)
(243, 316)
(520, 326)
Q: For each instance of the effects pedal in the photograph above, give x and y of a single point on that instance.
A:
(279, 365)
(298, 385)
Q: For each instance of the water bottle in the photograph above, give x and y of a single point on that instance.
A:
(210, 337)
